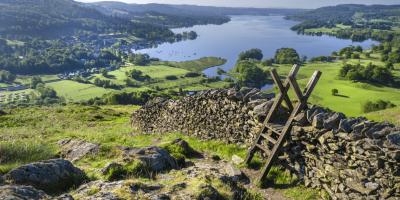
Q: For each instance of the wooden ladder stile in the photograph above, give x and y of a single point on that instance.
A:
(282, 132)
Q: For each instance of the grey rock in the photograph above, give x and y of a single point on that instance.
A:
(73, 150)
(379, 130)
(314, 111)
(394, 139)
(21, 192)
(262, 109)
(233, 171)
(64, 197)
(262, 96)
(301, 119)
(156, 158)
(251, 93)
(346, 125)
(332, 122)
(207, 192)
(51, 176)
(318, 121)
(372, 186)
(237, 160)
(99, 190)
(109, 166)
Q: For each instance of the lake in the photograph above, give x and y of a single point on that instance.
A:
(267, 33)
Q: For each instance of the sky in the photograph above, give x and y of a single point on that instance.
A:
(261, 3)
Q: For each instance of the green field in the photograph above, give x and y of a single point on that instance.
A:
(197, 65)
(154, 71)
(158, 73)
(351, 94)
(74, 91)
(325, 30)
(15, 96)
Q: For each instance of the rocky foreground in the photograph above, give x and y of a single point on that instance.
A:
(175, 171)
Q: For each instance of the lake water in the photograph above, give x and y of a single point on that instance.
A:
(267, 33)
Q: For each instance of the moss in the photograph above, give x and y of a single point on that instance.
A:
(115, 173)
(135, 168)
(138, 168)
(93, 190)
(302, 193)
(208, 192)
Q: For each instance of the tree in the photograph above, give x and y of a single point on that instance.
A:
(389, 65)
(335, 92)
(220, 71)
(287, 56)
(255, 54)
(248, 74)
(35, 81)
(139, 59)
(137, 75)
(104, 72)
(268, 62)
(7, 77)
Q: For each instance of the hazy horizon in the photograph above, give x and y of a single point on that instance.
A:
(260, 3)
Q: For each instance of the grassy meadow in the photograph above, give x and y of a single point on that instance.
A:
(351, 94)
(74, 91)
(31, 134)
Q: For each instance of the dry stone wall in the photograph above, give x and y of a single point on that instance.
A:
(351, 158)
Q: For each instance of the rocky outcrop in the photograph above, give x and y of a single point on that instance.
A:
(351, 158)
(73, 150)
(203, 180)
(51, 176)
(155, 158)
(21, 192)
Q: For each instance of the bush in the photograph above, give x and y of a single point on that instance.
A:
(268, 62)
(369, 73)
(171, 77)
(371, 106)
(248, 74)
(255, 54)
(192, 74)
(335, 92)
(137, 75)
(6, 76)
(287, 56)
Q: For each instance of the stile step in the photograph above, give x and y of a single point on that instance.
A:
(263, 149)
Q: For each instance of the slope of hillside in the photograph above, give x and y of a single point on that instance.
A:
(55, 18)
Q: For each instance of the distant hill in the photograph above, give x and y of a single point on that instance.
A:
(348, 13)
(123, 8)
(46, 18)
(181, 15)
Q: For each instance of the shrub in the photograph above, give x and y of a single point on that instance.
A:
(287, 56)
(135, 168)
(335, 92)
(371, 106)
(248, 74)
(171, 77)
(192, 74)
(255, 54)
(369, 73)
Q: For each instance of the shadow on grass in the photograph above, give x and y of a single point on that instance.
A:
(110, 76)
(341, 95)
(279, 178)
